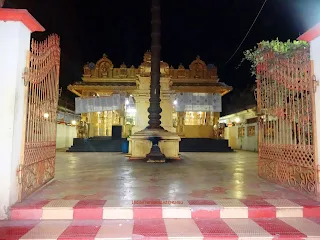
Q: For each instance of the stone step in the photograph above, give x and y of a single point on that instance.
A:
(204, 145)
(262, 229)
(206, 150)
(156, 209)
(96, 144)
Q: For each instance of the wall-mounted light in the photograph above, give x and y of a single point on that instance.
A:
(73, 122)
(237, 120)
(46, 115)
(175, 102)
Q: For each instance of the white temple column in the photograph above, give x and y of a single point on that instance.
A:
(16, 27)
(167, 111)
(313, 37)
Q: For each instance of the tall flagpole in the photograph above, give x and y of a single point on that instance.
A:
(155, 109)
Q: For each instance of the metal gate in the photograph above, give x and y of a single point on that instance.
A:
(37, 164)
(285, 98)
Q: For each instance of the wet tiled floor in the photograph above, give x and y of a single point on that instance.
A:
(219, 196)
(110, 176)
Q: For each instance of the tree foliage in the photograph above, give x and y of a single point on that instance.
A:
(281, 49)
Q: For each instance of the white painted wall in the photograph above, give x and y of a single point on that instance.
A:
(65, 135)
(14, 46)
(243, 143)
(315, 57)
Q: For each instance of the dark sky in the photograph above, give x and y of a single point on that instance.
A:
(212, 29)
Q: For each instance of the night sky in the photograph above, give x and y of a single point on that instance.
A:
(212, 29)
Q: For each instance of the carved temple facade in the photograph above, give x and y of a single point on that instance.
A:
(184, 97)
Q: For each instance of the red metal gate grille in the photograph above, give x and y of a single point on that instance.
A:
(285, 97)
(37, 165)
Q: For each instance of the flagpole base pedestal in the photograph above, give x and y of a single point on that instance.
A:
(167, 148)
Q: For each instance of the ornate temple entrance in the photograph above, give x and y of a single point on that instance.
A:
(37, 163)
(285, 98)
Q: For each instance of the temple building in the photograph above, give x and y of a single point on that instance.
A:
(109, 96)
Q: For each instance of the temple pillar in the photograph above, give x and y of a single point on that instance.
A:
(216, 116)
(167, 111)
(142, 104)
(141, 98)
(104, 123)
(16, 27)
(207, 118)
(166, 104)
(94, 124)
(180, 123)
(109, 119)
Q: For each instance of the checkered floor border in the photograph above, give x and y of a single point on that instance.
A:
(262, 229)
(154, 209)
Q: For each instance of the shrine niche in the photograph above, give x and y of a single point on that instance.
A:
(181, 71)
(198, 68)
(104, 67)
(164, 69)
(145, 67)
(123, 73)
(88, 69)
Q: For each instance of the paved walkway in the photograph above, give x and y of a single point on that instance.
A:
(110, 176)
(214, 196)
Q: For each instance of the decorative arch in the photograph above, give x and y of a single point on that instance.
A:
(181, 71)
(164, 68)
(198, 67)
(103, 66)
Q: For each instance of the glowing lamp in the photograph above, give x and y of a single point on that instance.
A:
(237, 120)
(73, 122)
(46, 115)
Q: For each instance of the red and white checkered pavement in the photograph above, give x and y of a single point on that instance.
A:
(153, 219)
(194, 209)
(264, 228)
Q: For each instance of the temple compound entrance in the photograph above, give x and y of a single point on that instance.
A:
(286, 107)
(103, 196)
(37, 164)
